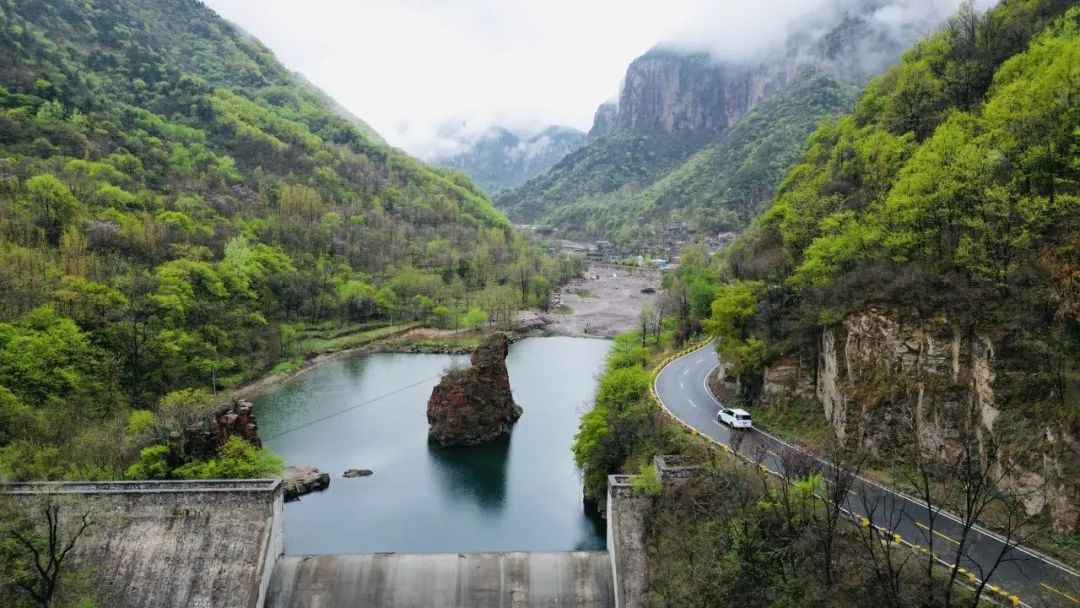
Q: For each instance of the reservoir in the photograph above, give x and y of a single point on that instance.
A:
(519, 493)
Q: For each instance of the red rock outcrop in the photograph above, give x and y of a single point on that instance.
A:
(474, 405)
(236, 419)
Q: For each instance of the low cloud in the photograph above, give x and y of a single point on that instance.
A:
(746, 31)
(411, 67)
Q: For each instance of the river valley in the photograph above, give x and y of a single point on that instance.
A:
(521, 492)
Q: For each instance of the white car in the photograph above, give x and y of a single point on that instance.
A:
(735, 418)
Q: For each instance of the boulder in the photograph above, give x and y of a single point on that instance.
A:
(352, 473)
(474, 405)
(302, 479)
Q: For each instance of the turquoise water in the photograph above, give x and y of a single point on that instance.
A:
(519, 493)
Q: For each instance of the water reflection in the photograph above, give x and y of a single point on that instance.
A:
(474, 474)
(519, 493)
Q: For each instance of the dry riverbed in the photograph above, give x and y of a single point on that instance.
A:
(602, 304)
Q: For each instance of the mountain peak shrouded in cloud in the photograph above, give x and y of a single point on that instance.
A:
(408, 67)
(497, 158)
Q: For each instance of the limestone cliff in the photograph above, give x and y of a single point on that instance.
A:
(474, 405)
(603, 120)
(670, 92)
(882, 371)
(702, 136)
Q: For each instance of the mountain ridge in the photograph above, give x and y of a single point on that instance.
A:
(499, 159)
(686, 100)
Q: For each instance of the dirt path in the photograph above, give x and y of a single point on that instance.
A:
(603, 304)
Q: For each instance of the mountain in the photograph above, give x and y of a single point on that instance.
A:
(917, 274)
(180, 214)
(498, 159)
(365, 129)
(603, 120)
(684, 142)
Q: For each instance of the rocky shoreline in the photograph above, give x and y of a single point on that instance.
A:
(264, 384)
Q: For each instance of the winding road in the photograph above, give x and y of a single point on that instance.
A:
(1023, 578)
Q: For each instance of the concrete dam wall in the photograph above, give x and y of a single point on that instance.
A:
(202, 544)
(580, 579)
(219, 544)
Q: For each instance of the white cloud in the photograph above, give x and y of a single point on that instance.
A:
(409, 67)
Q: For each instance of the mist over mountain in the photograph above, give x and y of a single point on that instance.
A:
(699, 97)
(498, 159)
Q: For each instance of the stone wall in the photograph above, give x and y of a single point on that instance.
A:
(626, 512)
(201, 544)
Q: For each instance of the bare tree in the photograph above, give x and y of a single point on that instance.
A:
(44, 546)
(842, 464)
(877, 531)
(979, 473)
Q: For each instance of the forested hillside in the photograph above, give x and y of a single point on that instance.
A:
(704, 140)
(920, 265)
(176, 209)
(723, 185)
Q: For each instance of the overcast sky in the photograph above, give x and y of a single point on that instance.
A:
(408, 67)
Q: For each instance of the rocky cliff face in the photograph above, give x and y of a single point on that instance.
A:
(882, 372)
(670, 93)
(692, 136)
(603, 120)
(474, 405)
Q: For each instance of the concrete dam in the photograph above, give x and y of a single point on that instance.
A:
(219, 544)
(511, 580)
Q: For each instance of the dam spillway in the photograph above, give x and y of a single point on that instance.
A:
(569, 579)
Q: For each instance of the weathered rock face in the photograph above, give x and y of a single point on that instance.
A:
(671, 93)
(474, 405)
(881, 372)
(204, 439)
(603, 120)
(790, 376)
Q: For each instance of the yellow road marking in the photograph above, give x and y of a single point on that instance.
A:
(1061, 593)
(948, 538)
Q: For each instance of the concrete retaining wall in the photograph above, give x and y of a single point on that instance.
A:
(580, 579)
(194, 544)
(626, 511)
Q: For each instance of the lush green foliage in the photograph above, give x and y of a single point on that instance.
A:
(953, 188)
(625, 428)
(612, 188)
(602, 172)
(237, 459)
(178, 211)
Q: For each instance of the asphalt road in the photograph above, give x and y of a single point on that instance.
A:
(1037, 581)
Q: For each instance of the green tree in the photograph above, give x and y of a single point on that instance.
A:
(474, 318)
(153, 463)
(49, 204)
(236, 459)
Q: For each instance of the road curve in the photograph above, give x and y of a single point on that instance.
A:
(1036, 581)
